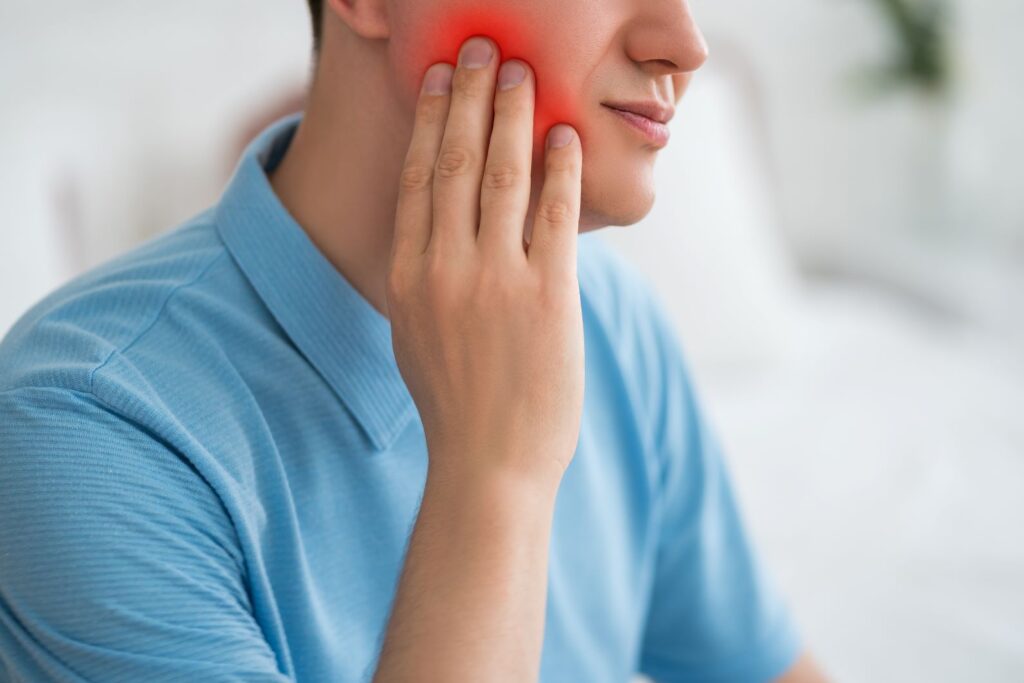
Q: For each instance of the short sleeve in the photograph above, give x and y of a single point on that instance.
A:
(117, 561)
(714, 617)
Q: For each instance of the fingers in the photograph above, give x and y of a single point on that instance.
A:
(505, 188)
(461, 173)
(414, 213)
(556, 224)
(456, 197)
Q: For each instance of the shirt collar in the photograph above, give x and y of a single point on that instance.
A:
(342, 335)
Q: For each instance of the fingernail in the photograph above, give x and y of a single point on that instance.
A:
(476, 53)
(438, 80)
(560, 136)
(511, 75)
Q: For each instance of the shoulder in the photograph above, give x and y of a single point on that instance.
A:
(58, 418)
(66, 337)
(623, 309)
(609, 283)
(630, 337)
(80, 412)
(142, 343)
(108, 519)
(616, 290)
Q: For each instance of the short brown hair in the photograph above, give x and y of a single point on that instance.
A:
(316, 11)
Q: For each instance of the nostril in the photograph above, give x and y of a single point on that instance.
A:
(662, 67)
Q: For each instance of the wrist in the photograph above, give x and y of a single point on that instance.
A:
(495, 459)
(534, 488)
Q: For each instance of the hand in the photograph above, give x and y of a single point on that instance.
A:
(487, 329)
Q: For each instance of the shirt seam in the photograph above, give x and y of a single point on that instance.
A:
(122, 349)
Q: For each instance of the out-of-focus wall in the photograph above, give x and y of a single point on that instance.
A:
(119, 120)
(850, 171)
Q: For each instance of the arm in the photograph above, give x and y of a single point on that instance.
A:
(488, 335)
(471, 600)
(117, 561)
(715, 614)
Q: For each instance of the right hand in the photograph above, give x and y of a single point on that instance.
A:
(487, 329)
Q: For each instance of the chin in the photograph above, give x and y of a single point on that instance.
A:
(615, 197)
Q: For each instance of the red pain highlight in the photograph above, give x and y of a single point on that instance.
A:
(517, 37)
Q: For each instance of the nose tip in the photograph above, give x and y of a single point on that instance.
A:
(695, 51)
(666, 39)
(690, 58)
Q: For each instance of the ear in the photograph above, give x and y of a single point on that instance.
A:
(366, 18)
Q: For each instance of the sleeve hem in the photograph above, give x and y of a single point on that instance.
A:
(771, 660)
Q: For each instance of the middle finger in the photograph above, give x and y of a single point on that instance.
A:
(460, 162)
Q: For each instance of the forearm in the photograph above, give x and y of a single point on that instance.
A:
(471, 599)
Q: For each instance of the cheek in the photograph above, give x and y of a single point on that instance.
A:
(431, 33)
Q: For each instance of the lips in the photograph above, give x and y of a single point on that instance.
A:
(655, 111)
(650, 119)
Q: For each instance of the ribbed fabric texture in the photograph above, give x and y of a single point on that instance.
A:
(209, 469)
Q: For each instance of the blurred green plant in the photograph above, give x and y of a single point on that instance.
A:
(920, 57)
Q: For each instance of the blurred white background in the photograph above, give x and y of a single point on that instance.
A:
(847, 274)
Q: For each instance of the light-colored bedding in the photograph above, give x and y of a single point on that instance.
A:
(880, 462)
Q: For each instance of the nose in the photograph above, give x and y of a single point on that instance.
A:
(664, 38)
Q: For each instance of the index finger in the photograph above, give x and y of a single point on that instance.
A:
(413, 216)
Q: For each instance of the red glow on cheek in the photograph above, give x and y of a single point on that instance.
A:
(518, 37)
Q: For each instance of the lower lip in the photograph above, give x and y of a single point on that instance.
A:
(656, 133)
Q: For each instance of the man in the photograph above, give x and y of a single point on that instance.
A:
(342, 427)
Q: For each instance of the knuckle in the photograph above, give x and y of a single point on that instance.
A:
(396, 286)
(417, 177)
(454, 162)
(501, 176)
(435, 267)
(555, 211)
(401, 278)
(438, 279)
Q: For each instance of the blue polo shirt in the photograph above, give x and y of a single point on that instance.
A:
(210, 467)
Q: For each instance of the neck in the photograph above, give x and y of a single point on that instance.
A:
(339, 178)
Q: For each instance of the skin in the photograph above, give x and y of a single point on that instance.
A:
(343, 166)
(454, 205)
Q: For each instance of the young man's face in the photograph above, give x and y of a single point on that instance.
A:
(587, 55)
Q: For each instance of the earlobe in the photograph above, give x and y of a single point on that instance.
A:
(366, 18)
